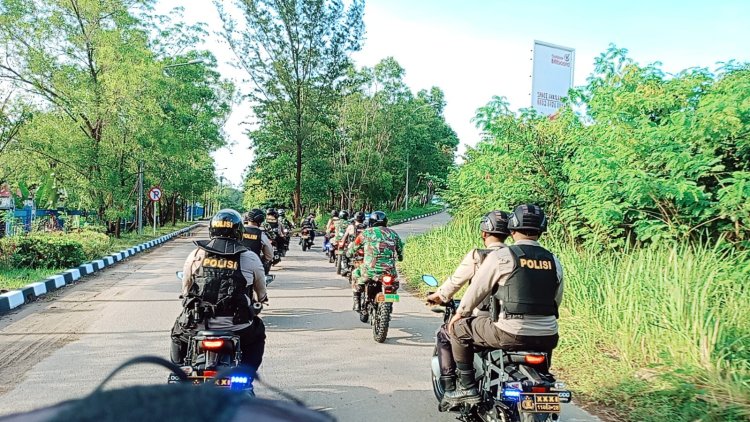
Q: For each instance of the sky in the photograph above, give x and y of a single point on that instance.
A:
(474, 49)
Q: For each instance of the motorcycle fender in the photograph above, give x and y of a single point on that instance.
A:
(435, 365)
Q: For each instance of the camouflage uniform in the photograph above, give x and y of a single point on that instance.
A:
(382, 247)
(339, 229)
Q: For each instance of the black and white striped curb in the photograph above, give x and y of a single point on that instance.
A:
(430, 214)
(30, 292)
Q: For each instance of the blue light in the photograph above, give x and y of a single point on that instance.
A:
(239, 380)
(512, 394)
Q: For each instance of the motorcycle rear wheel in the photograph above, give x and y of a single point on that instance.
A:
(338, 264)
(304, 246)
(382, 319)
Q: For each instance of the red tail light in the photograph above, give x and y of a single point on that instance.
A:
(361, 252)
(534, 359)
(209, 373)
(213, 344)
(539, 390)
(387, 280)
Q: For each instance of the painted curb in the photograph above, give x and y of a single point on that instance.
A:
(31, 292)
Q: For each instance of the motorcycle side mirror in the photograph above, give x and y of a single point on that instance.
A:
(269, 279)
(430, 280)
(180, 275)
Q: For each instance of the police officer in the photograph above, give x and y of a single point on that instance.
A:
(218, 277)
(527, 283)
(256, 239)
(494, 232)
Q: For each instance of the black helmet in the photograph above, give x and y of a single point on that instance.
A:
(378, 218)
(334, 214)
(255, 215)
(528, 217)
(344, 214)
(272, 211)
(226, 224)
(495, 222)
(359, 217)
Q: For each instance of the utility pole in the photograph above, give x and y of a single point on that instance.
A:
(140, 198)
(406, 199)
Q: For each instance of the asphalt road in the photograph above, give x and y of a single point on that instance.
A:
(316, 348)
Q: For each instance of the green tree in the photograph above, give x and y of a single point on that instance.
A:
(297, 53)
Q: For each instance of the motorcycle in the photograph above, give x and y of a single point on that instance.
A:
(340, 261)
(212, 353)
(376, 304)
(306, 240)
(515, 386)
(329, 248)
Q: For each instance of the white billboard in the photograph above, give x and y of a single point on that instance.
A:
(552, 76)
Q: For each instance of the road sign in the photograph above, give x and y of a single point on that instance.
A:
(155, 194)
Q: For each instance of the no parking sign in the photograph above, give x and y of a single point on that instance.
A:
(154, 194)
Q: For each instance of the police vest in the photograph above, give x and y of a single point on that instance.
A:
(252, 239)
(531, 287)
(220, 282)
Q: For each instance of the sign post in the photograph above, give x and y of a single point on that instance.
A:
(155, 195)
(552, 76)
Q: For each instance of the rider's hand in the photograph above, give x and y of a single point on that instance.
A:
(455, 318)
(264, 300)
(434, 299)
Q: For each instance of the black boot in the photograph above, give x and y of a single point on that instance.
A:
(357, 307)
(448, 383)
(466, 390)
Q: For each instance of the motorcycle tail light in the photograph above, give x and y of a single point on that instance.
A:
(539, 390)
(213, 344)
(534, 359)
(387, 280)
(209, 373)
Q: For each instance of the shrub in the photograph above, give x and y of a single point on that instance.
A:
(95, 244)
(43, 250)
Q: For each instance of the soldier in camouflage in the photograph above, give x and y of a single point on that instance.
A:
(340, 226)
(382, 247)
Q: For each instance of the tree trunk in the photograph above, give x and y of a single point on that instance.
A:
(174, 210)
(298, 179)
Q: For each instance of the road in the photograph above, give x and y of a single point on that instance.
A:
(316, 349)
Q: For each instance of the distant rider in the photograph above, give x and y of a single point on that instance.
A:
(526, 280)
(355, 227)
(382, 246)
(256, 239)
(494, 232)
(309, 224)
(219, 279)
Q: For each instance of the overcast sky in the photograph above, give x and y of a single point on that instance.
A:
(474, 49)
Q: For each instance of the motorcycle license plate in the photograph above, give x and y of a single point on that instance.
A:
(386, 298)
(540, 403)
(220, 382)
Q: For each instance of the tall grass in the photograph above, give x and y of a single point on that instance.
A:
(660, 333)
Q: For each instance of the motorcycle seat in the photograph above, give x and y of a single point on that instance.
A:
(210, 333)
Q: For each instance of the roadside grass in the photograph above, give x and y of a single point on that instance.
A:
(14, 278)
(652, 334)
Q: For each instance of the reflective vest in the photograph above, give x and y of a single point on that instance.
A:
(532, 286)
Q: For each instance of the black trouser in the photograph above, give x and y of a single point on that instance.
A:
(252, 343)
(444, 351)
(480, 332)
